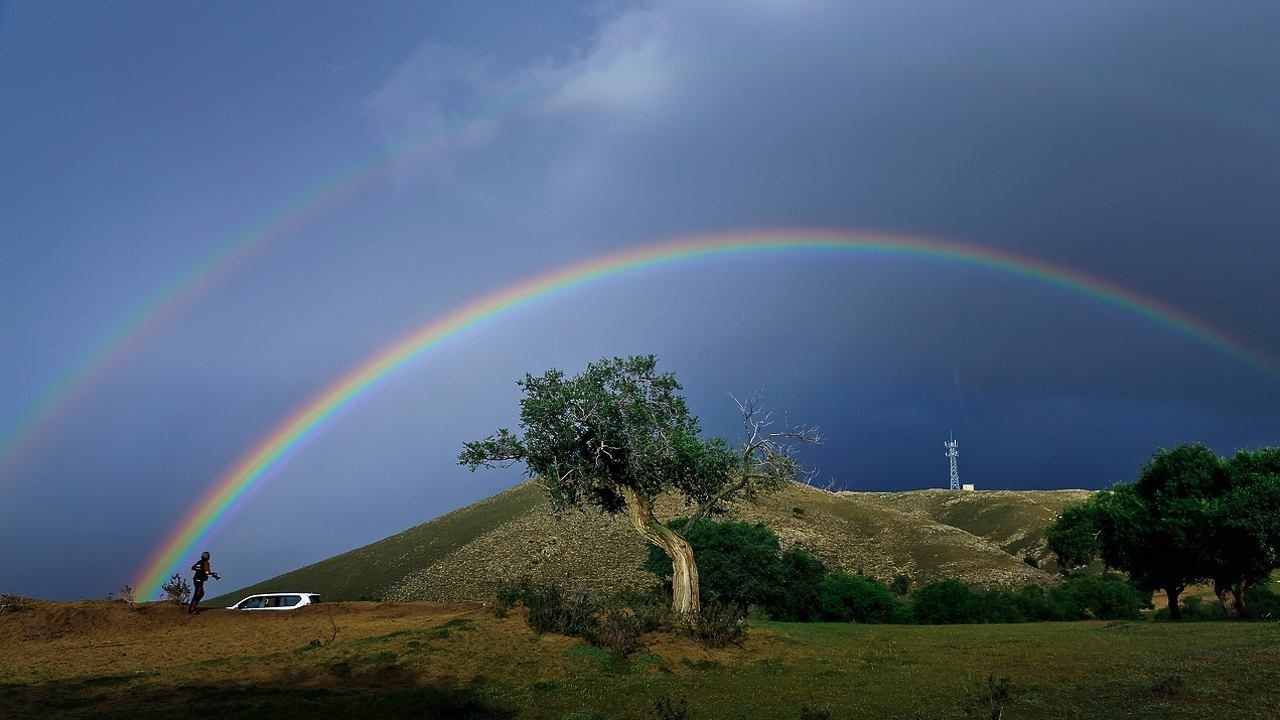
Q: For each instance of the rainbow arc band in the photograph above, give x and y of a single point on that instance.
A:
(272, 451)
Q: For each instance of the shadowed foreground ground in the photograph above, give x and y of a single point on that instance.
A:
(457, 661)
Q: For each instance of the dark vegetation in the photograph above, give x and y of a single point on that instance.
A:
(1191, 517)
(176, 590)
(742, 564)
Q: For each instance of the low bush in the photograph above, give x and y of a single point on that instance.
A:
(854, 598)
(668, 708)
(1100, 597)
(1195, 609)
(553, 609)
(613, 623)
(617, 630)
(947, 602)
(809, 712)
(799, 598)
(177, 590)
(1262, 603)
(14, 603)
(901, 585)
(718, 625)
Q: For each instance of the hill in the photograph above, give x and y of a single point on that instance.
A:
(980, 538)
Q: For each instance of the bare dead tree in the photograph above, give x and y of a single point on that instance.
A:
(767, 459)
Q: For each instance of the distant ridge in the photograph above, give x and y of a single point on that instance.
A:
(980, 538)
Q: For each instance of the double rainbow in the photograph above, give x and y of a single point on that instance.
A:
(272, 451)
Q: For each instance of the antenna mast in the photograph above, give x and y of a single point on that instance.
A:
(952, 453)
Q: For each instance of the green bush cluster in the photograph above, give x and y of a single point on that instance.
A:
(1262, 603)
(742, 565)
(1080, 597)
(609, 623)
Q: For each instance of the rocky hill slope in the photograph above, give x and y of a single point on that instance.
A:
(978, 537)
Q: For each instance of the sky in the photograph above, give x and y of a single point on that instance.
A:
(388, 162)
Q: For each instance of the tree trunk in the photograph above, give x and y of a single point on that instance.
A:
(1175, 610)
(1221, 592)
(1237, 598)
(684, 580)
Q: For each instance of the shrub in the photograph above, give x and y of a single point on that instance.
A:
(854, 598)
(799, 598)
(718, 625)
(617, 631)
(809, 712)
(176, 590)
(13, 603)
(1036, 604)
(508, 596)
(552, 609)
(999, 606)
(901, 585)
(1102, 597)
(738, 562)
(1262, 603)
(992, 696)
(667, 708)
(947, 602)
(1168, 686)
(615, 624)
(1195, 609)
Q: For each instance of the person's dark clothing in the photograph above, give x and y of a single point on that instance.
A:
(202, 572)
(196, 596)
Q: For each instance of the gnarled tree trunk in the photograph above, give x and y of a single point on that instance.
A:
(684, 579)
(1237, 598)
(1175, 610)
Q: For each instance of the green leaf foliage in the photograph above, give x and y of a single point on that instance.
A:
(855, 598)
(738, 563)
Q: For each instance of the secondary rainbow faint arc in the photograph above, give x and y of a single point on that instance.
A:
(127, 334)
(161, 307)
(270, 451)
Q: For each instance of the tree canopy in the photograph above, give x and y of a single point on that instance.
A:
(1190, 517)
(619, 434)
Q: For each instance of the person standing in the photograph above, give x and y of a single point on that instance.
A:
(202, 571)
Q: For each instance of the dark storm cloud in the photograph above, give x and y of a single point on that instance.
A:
(1136, 141)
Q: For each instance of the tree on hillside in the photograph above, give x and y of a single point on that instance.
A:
(1158, 529)
(1245, 521)
(1073, 537)
(617, 436)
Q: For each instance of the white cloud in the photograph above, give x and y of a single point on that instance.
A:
(629, 68)
(635, 68)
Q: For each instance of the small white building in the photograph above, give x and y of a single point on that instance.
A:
(968, 487)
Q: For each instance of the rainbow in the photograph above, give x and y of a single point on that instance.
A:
(272, 451)
(129, 332)
(161, 308)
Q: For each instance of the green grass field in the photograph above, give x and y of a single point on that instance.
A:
(422, 660)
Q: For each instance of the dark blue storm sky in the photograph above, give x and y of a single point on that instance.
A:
(1136, 141)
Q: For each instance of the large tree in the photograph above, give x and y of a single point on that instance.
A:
(618, 435)
(1073, 537)
(1158, 528)
(1190, 517)
(1245, 539)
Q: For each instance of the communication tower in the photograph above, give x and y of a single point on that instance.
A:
(952, 453)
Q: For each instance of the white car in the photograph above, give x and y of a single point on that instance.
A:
(276, 601)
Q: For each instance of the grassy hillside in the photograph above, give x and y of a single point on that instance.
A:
(419, 660)
(1013, 520)
(368, 571)
(929, 534)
